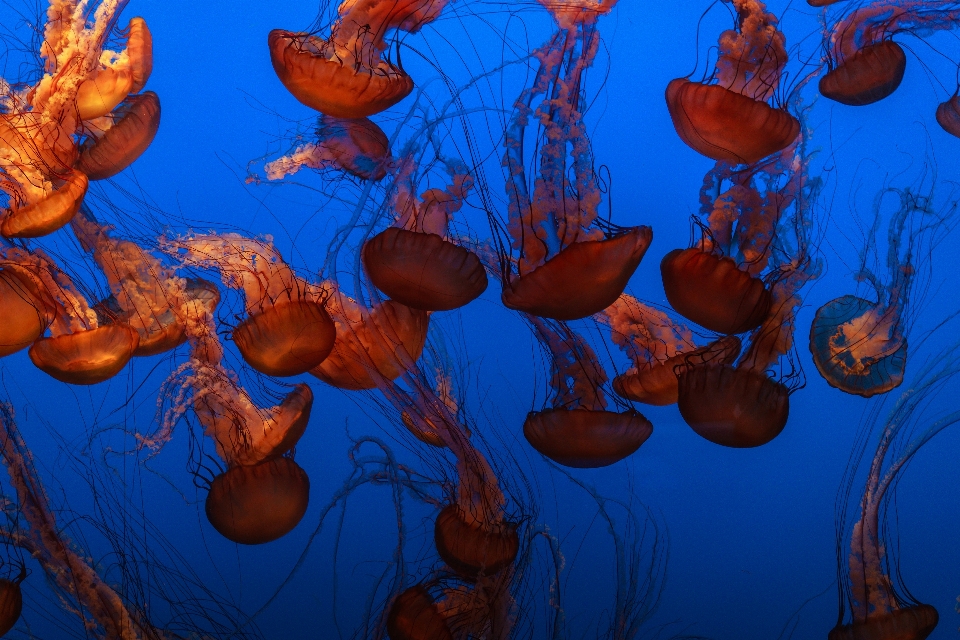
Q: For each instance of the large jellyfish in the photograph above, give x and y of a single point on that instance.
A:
(727, 117)
(860, 345)
(346, 75)
(288, 330)
(572, 263)
(878, 608)
(864, 64)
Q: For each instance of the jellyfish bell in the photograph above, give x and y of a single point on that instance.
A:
(869, 75)
(582, 279)
(948, 116)
(908, 623)
(50, 213)
(137, 122)
(330, 86)
(822, 3)
(586, 439)
(258, 503)
(733, 407)
(286, 339)
(86, 357)
(414, 615)
(140, 52)
(25, 316)
(471, 547)
(658, 384)
(713, 292)
(357, 145)
(99, 95)
(11, 604)
(724, 125)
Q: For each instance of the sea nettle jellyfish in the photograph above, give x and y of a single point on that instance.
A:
(859, 345)
(864, 64)
(571, 264)
(79, 350)
(287, 331)
(728, 116)
(345, 75)
(354, 145)
(414, 261)
(27, 312)
(948, 115)
(878, 605)
(658, 348)
(578, 430)
(125, 135)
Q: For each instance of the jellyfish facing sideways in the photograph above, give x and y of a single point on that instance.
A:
(346, 76)
(126, 135)
(414, 261)
(658, 348)
(288, 330)
(864, 64)
(728, 118)
(570, 265)
(860, 345)
(26, 314)
(948, 115)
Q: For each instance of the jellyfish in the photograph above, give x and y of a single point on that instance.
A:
(728, 118)
(355, 145)
(572, 264)
(860, 345)
(658, 347)
(287, 331)
(948, 115)
(877, 606)
(125, 135)
(26, 315)
(346, 75)
(79, 350)
(864, 64)
(578, 430)
(414, 261)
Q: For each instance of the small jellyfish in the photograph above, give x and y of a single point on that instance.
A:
(125, 135)
(948, 115)
(727, 118)
(288, 330)
(346, 76)
(860, 345)
(414, 261)
(578, 431)
(658, 348)
(864, 64)
(355, 145)
(414, 615)
(572, 264)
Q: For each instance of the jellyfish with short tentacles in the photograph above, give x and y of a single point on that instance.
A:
(578, 430)
(860, 345)
(878, 606)
(83, 94)
(864, 64)
(346, 75)
(658, 347)
(414, 261)
(728, 117)
(572, 264)
(80, 349)
(287, 331)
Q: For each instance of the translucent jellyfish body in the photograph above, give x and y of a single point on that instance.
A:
(50, 213)
(948, 116)
(909, 623)
(11, 604)
(414, 615)
(355, 145)
(472, 547)
(869, 75)
(86, 357)
(136, 122)
(25, 313)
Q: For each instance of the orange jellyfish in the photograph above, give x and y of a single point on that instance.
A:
(879, 607)
(11, 601)
(125, 136)
(864, 64)
(948, 115)
(860, 345)
(414, 615)
(346, 75)
(572, 264)
(26, 314)
(578, 431)
(414, 261)
(355, 145)
(287, 331)
(727, 117)
(48, 214)
(658, 348)
(79, 350)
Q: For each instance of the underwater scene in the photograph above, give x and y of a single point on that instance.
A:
(468, 319)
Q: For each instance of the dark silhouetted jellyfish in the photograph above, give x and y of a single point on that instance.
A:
(355, 145)
(346, 75)
(879, 606)
(860, 345)
(864, 64)
(948, 115)
(658, 347)
(287, 330)
(727, 117)
(822, 3)
(578, 430)
(414, 261)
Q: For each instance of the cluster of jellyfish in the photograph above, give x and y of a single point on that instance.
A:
(723, 352)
